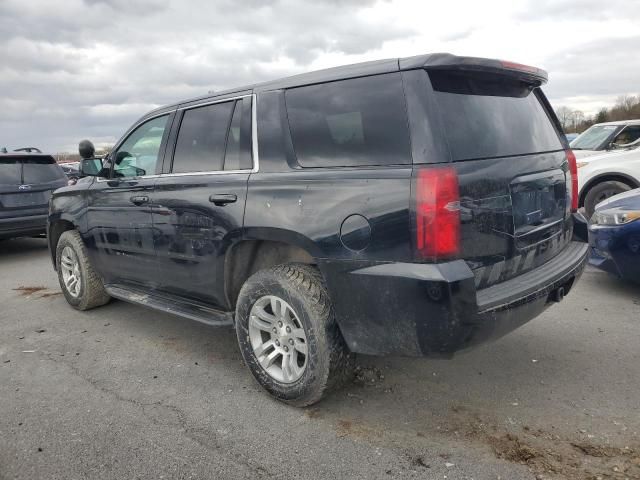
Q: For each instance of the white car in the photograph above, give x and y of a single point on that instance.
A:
(604, 174)
(607, 137)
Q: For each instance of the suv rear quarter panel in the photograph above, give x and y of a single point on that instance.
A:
(313, 205)
(346, 218)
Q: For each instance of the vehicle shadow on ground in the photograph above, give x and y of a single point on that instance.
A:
(16, 247)
(626, 289)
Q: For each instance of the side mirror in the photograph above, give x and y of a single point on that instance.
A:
(90, 167)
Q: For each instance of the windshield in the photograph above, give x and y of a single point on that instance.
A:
(594, 138)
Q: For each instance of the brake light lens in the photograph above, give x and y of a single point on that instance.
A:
(518, 66)
(437, 213)
(573, 171)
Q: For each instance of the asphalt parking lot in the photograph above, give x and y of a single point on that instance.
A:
(124, 392)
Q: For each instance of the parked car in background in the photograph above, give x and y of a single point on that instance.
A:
(71, 170)
(607, 137)
(605, 175)
(415, 206)
(614, 236)
(26, 183)
(571, 136)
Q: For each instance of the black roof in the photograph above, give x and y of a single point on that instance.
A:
(429, 61)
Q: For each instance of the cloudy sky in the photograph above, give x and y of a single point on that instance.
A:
(73, 69)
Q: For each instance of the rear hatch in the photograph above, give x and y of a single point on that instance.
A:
(512, 170)
(26, 183)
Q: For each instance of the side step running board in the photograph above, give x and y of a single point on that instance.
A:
(192, 310)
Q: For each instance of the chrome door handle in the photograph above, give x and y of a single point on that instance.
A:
(139, 199)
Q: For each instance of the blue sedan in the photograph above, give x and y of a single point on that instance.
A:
(614, 235)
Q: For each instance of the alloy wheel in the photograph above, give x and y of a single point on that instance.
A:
(278, 339)
(70, 271)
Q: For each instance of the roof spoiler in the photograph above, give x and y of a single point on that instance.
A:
(446, 61)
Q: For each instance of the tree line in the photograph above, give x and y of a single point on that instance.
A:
(627, 107)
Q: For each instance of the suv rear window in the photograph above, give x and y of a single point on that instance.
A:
(356, 122)
(30, 170)
(487, 116)
(10, 172)
(40, 172)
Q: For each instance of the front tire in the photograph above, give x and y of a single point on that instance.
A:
(80, 284)
(288, 335)
(601, 192)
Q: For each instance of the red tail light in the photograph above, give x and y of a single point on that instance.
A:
(573, 170)
(518, 66)
(437, 213)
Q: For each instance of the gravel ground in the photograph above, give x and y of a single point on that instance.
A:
(124, 392)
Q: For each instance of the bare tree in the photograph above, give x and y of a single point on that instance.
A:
(564, 115)
(626, 102)
(577, 117)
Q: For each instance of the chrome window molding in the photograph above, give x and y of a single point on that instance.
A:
(213, 102)
(254, 134)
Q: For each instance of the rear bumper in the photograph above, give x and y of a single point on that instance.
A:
(23, 226)
(434, 309)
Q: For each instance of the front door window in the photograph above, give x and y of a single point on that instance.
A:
(139, 154)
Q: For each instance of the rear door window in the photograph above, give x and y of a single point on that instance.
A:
(356, 122)
(488, 116)
(202, 137)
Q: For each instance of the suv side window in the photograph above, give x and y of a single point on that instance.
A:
(139, 154)
(356, 122)
(627, 136)
(200, 146)
(238, 155)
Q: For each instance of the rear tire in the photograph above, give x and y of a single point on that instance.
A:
(600, 192)
(282, 312)
(80, 284)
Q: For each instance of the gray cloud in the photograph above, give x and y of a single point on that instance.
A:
(608, 67)
(88, 68)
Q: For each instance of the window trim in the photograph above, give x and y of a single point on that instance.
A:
(254, 138)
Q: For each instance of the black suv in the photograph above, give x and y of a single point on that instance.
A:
(414, 206)
(27, 179)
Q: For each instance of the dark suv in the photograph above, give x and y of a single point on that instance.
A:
(27, 179)
(414, 206)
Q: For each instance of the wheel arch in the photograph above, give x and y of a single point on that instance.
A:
(606, 177)
(54, 232)
(264, 249)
